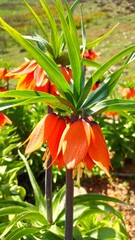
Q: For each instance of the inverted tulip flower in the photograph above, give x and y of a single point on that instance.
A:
(127, 92)
(90, 54)
(4, 119)
(33, 77)
(83, 141)
(49, 129)
(3, 73)
(71, 143)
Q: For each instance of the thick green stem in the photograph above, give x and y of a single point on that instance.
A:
(69, 205)
(48, 191)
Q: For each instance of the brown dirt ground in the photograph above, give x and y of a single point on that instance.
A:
(121, 186)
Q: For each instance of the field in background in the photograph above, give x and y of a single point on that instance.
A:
(99, 17)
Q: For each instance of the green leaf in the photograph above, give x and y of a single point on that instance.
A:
(101, 70)
(57, 201)
(105, 233)
(30, 97)
(72, 45)
(98, 40)
(98, 207)
(116, 105)
(105, 89)
(40, 200)
(41, 25)
(40, 41)
(25, 205)
(94, 197)
(12, 210)
(87, 62)
(32, 215)
(54, 32)
(44, 61)
(99, 73)
(20, 232)
(127, 115)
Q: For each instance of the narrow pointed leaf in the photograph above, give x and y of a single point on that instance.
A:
(36, 18)
(101, 70)
(91, 44)
(105, 67)
(54, 32)
(40, 200)
(105, 89)
(57, 202)
(32, 215)
(29, 97)
(20, 232)
(72, 49)
(116, 105)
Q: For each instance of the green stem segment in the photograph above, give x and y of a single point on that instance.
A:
(69, 205)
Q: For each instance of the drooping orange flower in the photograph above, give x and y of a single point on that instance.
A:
(83, 141)
(90, 54)
(4, 119)
(71, 143)
(127, 92)
(3, 73)
(49, 129)
(33, 77)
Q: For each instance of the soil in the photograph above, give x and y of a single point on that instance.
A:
(121, 186)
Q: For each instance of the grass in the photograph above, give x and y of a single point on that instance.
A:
(98, 18)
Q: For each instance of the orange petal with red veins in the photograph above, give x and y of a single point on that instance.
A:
(54, 138)
(75, 143)
(98, 150)
(4, 119)
(25, 68)
(41, 132)
(39, 76)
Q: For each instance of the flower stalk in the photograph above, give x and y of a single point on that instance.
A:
(69, 205)
(48, 190)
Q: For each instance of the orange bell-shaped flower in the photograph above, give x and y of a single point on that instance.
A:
(83, 141)
(49, 129)
(4, 119)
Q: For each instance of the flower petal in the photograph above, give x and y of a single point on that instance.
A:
(88, 162)
(54, 138)
(75, 143)
(41, 132)
(25, 68)
(98, 150)
(4, 119)
(40, 77)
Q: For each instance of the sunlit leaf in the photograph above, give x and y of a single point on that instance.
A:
(91, 44)
(116, 105)
(73, 47)
(54, 33)
(40, 200)
(24, 97)
(105, 89)
(41, 25)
